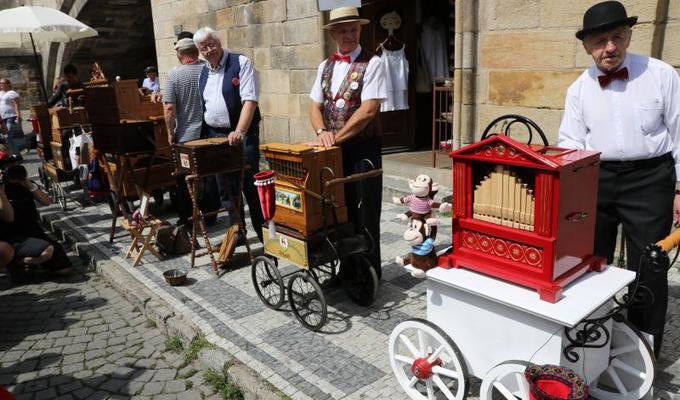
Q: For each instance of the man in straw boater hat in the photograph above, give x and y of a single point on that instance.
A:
(346, 98)
(627, 107)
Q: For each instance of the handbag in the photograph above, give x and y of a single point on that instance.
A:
(173, 239)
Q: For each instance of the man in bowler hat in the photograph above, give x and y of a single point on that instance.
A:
(627, 106)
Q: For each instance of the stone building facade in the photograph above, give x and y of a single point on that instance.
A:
(284, 38)
(512, 56)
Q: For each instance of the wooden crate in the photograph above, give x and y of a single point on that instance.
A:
(61, 156)
(160, 176)
(121, 101)
(205, 157)
(124, 138)
(62, 117)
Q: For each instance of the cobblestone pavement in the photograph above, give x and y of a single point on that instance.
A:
(348, 359)
(77, 338)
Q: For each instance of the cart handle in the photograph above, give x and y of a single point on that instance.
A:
(355, 177)
(669, 242)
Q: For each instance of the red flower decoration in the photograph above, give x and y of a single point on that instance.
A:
(235, 81)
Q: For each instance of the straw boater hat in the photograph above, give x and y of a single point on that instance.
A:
(344, 14)
(603, 16)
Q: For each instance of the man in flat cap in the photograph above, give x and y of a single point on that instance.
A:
(346, 97)
(627, 107)
(183, 110)
(151, 81)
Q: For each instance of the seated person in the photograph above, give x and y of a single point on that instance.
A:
(31, 243)
(151, 83)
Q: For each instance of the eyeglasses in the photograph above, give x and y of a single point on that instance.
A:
(209, 46)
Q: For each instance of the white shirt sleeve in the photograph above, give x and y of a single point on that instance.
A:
(11, 95)
(316, 94)
(248, 86)
(375, 87)
(572, 134)
(671, 115)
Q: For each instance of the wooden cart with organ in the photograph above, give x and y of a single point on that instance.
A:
(484, 317)
(55, 127)
(198, 159)
(312, 233)
(129, 134)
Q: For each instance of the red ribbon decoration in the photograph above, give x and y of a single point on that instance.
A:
(341, 57)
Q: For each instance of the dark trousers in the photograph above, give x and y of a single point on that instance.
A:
(640, 197)
(226, 185)
(364, 198)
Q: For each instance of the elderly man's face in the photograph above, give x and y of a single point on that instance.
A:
(211, 50)
(608, 48)
(346, 35)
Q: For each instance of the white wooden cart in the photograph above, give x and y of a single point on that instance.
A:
(491, 329)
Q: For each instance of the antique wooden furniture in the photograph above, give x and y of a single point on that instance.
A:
(298, 185)
(143, 232)
(41, 115)
(524, 213)
(206, 157)
(442, 119)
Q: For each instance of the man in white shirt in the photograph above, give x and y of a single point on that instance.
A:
(627, 106)
(229, 91)
(346, 98)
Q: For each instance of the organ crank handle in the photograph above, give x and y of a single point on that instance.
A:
(657, 253)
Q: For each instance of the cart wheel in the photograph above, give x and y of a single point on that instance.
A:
(44, 178)
(268, 282)
(359, 279)
(426, 362)
(632, 365)
(325, 274)
(505, 381)
(61, 195)
(307, 301)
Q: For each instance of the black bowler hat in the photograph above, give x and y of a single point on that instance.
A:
(605, 15)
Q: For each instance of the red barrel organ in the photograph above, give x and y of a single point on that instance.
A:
(524, 213)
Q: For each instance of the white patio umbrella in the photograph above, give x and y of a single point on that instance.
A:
(39, 24)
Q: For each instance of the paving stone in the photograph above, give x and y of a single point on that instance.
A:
(175, 386)
(152, 388)
(165, 374)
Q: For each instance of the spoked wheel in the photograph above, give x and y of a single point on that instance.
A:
(44, 178)
(307, 301)
(505, 381)
(426, 362)
(326, 274)
(61, 196)
(268, 282)
(359, 279)
(631, 370)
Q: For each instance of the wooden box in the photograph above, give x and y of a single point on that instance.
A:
(159, 175)
(60, 156)
(121, 101)
(298, 170)
(161, 137)
(63, 117)
(524, 214)
(205, 157)
(124, 138)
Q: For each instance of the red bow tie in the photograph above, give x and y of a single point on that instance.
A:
(605, 80)
(341, 57)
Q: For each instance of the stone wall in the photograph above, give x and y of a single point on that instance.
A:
(283, 38)
(21, 70)
(528, 54)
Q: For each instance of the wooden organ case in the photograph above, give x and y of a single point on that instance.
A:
(298, 183)
(524, 213)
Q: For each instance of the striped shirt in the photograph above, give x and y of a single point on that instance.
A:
(181, 89)
(418, 205)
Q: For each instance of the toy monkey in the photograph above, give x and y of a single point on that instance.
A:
(422, 256)
(421, 200)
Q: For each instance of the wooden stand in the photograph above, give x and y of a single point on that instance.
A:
(142, 241)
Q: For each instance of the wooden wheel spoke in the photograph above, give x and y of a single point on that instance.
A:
(442, 386)
(435, 354)
(503, 390)
(409, 345)
(446, 372)
(617, 363)
(615, 352)
(404, 359)
(617, 380)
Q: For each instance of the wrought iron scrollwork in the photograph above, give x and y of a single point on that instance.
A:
(508, 121)
(591, 335)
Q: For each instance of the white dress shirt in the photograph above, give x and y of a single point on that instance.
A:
(216, 114)
(374, 79)
(628, 120)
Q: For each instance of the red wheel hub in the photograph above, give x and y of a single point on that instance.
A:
(422, 369)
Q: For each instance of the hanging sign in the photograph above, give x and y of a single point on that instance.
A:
(325, 5)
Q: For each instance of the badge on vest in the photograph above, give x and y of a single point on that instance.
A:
(354, 76)
(354, 85)
(340, 103)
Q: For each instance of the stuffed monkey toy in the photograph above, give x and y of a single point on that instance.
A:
(421, 201)
(422, 256)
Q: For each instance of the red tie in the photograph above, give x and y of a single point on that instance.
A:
(605, 80)
(341, 57)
